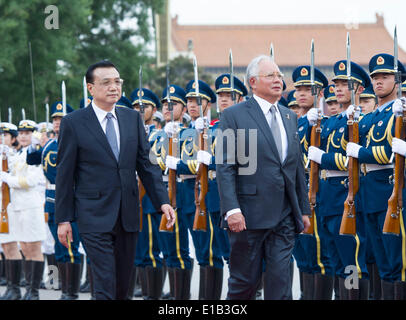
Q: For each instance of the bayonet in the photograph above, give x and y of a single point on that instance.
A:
(350, 81)
(10, 115)
(46, 116)
(198, 98)
(23, 113)
(85, 96)
(272, 52)
(233, 96)
(64, 98)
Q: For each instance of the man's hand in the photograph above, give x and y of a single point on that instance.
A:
(169, 213)
(306, 223)
(236, 222)
(65, 234)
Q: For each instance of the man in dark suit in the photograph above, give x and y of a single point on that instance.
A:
(263, 196)
(101, 147)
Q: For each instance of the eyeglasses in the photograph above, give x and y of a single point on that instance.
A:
(107, 83)
(272, 76)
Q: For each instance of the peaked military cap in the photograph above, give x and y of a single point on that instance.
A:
(301, 77)
(404, 86)
(124, 102)
(292, 99)
(384, 63)
(27, 125)
(158, 116)
(283, 101)
(368, 92)
(223, 84)
(9, 128)
(357, 73)
(82, 102)
(44, 127)
(204, 90)
(57, 109)
(148, 97)
(176, 93)
(329, 93)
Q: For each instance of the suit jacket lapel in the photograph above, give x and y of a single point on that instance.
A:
(256, 112)
(286, 119)
(123, 133)
(95, 128)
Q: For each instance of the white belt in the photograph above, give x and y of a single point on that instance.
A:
(375, 167)
(165, 178)
(187, 176)
(49, 186)
(324, 174)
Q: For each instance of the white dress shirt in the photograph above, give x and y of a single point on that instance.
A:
(101, 116)
(266, 109)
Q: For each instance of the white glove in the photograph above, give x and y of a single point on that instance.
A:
(171, 162)
(204, 157)
(351, 110)
(399, 146)
(315, 154)
(201, 123)
(398, 106)
(312, 116)
(4, 149)
(4, 177)
(171, 128)
(353, 149)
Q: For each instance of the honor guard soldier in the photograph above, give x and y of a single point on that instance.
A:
(215, 245)
(345, 250)
(124, 102)
(368, 100)
(330, 98)
(310, 251)
(82, 102)
(177, 257)
(148, 262)
(8, 241)
(292, 103)
(158, 119)
(377, 184)
(189, 167)
(27, 208)
(69, 263)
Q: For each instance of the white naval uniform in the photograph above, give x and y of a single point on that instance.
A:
(27, 203)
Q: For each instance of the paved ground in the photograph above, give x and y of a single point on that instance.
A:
(54, 294)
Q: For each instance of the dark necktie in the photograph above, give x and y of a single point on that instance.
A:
(111, 135)
(276, 131)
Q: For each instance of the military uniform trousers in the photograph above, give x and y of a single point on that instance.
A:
(176, 243)
(344, 250)
(62, 254)
(311, 251)
(389, 250)
(149, 244)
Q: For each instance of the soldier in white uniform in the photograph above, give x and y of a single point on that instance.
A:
(27, 207)
(8, 241)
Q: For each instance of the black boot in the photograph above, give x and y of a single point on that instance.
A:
(301, 284)
(73, 280)
(3, 275)
(8, 280)
(28, 277)
(376, 279)
(214, 283)
(154, 282)
(143, 281)
(37, 272)
(336, 288)
(400, 288)
(85, 287)
(137, 288)
(362, 293)
(323, 286)
(131, 287)
(370, 268)
(63, 277)
(388, 290)
(171, 276)
(13, 268)
(202, 283)
(308, 286)
(342, 289)
(182, 283)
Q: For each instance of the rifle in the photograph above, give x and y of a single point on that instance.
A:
(348, 222)
(315, 142)
(395, 202)
(63, 98)
(173, 141)
(233, 95)
(5, 193)
(200, 221)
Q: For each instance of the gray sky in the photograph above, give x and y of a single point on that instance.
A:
(349, 12)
